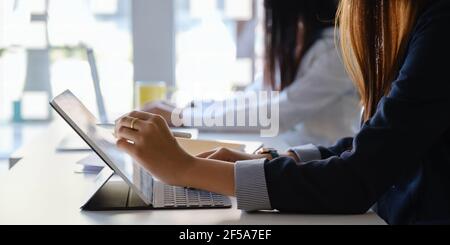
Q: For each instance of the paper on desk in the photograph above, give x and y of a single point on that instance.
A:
(92, 160)
(92, 164)
(195, 147)
(85, 169)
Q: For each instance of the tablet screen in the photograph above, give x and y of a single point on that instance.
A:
(103, 142)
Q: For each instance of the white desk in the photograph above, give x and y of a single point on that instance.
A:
(15, 135)
(43, 189)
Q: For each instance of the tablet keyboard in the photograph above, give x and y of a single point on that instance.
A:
(185, 197)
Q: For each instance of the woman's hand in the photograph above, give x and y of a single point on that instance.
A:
(162, 108)
(147, 138)
(229, 155)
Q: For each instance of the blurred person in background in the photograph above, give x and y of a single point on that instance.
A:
(304, 65)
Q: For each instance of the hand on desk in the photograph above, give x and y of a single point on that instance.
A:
(229, 155)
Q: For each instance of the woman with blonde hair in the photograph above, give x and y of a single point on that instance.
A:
(397, 52)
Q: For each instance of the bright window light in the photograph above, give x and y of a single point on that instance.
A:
(36, 6)
(106, 7)
(12, 71)
(242, 72)
(239, 9)
(5, 5)
(35, 36)
(202, 8)
(207, 40)
(29, 109)
(2, 23)
(70, 23)
(2, 90)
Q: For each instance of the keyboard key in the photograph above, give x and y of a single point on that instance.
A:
(186, 197)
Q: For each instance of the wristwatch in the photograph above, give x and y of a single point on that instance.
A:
(270, 151)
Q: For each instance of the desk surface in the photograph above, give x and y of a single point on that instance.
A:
(43, 189)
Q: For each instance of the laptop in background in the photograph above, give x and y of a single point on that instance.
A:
(73, 142)
(98, 91)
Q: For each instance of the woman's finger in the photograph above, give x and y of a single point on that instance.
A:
(127, 119)
(223, 154)
(219, 156)
(126, 146)
(130, 122)
(141, 115)
(128, 134)
(206, 154)
(229, 155)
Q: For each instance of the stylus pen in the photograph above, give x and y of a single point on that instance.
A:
(176, 134)
(181, 135)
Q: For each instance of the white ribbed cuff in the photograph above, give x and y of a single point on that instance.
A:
(251, 188)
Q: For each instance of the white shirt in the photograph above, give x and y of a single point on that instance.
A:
(320, 107)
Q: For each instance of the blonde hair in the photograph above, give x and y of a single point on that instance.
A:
(373, 36)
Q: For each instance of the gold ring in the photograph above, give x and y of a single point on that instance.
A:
(133, 122)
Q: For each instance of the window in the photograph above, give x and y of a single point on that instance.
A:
(42, 48)
(218, 47)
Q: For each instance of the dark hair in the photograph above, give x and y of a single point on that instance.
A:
(282, 18)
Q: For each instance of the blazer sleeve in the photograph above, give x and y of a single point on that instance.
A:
(408, 122)
(343, 145)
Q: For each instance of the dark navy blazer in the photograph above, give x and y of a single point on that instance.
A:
(400, 160)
